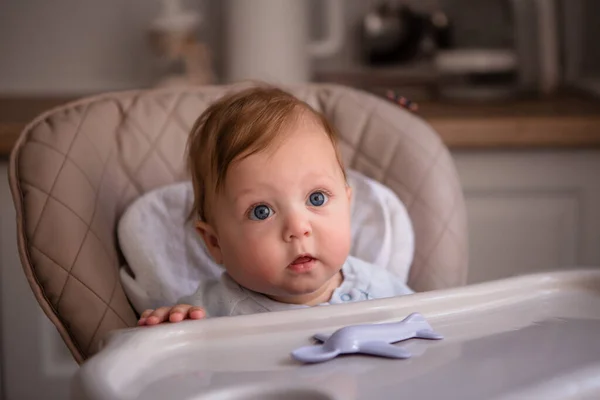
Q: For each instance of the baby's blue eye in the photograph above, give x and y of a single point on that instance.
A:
(317, 199)
(260, 212)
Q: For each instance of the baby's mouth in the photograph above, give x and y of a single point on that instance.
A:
(302, 263)
(302, 260)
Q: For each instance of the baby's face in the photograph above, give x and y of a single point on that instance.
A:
(282, 222)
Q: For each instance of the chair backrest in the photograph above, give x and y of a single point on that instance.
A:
(77, 167)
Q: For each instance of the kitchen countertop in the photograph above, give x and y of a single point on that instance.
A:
(565, 121)
(560, 122)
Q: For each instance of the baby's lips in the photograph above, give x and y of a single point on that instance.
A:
(302, 260)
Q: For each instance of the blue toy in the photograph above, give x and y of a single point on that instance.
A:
(372, 339)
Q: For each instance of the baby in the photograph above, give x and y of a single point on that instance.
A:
(272, 204)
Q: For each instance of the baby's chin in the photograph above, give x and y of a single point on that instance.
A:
(292, 292)
(301, 294)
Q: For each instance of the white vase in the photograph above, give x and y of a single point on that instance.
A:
(268, 40)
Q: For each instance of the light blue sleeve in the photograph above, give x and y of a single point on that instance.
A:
(388, 284)
(202, 296)
(398, 287)
(218, 298)
(381, 282)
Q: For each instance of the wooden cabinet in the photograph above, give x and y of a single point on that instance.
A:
(530, 211)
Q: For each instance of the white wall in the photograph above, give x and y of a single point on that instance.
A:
(76, 46)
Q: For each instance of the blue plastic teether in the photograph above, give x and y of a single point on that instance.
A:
(372, 339)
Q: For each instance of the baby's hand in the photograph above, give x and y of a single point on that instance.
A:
(171, 314)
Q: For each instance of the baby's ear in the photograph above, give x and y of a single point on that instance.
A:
(349, 193)
(211, 240)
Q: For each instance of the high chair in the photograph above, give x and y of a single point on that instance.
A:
(77, 167)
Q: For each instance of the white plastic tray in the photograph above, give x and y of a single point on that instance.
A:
(527, 337)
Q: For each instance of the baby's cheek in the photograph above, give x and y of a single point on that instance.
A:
(247, 266)
(336, 240)
(341, 248)
(259, 269)
(262, 255)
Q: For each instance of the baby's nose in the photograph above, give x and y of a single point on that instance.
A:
(296, 227)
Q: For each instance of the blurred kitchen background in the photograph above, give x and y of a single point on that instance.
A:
(458, 48)
(511, 86)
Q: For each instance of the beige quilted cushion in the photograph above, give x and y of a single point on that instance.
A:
(77, 167)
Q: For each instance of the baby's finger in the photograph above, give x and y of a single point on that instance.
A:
(144, 316)
(179, 312)
(157, 316)
(196, 313)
